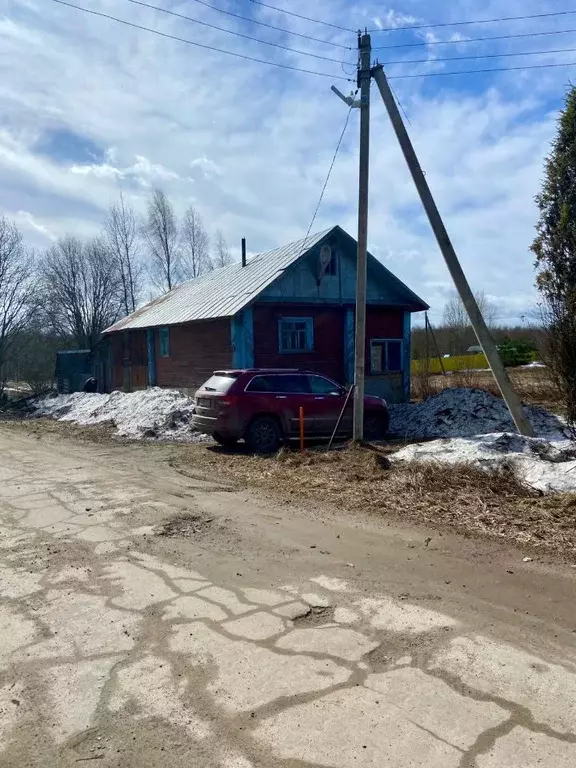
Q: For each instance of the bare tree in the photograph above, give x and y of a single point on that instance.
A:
(161, 233)
(121, 236)
(222, 256)
(195, 245)
(17, 289)
(457, 322)
(82, 289)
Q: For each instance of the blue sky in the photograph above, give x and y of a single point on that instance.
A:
(89, 107)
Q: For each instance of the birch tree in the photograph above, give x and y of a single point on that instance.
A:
(222, 256)
(121, 237)
(195, 245)
(161, 234)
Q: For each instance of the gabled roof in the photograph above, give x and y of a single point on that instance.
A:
(225, 291)
(220, 293)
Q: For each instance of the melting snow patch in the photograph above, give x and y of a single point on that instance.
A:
(546, 466)
(154, 412)
(464, 413)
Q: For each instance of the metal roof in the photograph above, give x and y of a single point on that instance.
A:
(220, 293)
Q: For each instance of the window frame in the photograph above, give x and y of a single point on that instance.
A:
(272, 391)
(382, 342)
(164, 341)
(309, 321)
(336, 388)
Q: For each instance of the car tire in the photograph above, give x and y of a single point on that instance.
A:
(264, 435)
(376, 426)
(225, 442)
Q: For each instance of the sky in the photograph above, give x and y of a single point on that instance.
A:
(90, 107)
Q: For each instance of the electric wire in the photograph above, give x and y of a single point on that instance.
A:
(424, 43)
(474, 21)
(329, 174)
(199, 45)
(270, 26)
(231, 31)
(479, 56)
(305, 18)
(482, 71)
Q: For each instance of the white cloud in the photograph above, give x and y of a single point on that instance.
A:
(250, 145)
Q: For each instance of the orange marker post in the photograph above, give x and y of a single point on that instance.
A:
(301, 415)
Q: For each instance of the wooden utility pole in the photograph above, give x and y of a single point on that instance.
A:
(364, 77)
(478, 323)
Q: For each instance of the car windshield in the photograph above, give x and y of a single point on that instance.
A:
(219, 383)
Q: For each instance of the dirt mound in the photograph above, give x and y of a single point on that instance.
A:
(465, 413)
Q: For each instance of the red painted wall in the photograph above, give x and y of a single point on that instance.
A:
(328, 354)
(196, 351)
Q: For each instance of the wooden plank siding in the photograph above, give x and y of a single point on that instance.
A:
(328, 354)
(196, 350)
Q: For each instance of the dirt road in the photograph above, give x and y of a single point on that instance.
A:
(149, 619)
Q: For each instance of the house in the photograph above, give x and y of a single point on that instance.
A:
(292, 307)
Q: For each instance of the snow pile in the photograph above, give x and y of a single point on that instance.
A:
(465, 413)
(546, 466)
(155, 412)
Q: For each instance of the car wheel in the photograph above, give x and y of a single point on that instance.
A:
(225, 442)
(264, 435)
(376, 426)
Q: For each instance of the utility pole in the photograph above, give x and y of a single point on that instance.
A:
(478, 323)
(364, 77)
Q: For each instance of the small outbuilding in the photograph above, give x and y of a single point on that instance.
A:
(293, 307)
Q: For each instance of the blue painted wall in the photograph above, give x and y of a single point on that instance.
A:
(242, 334)
(300, 281)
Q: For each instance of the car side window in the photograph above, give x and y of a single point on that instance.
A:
(290, 384)
(260, 384)
(321, 386)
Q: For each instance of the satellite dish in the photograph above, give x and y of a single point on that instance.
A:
(325, 259)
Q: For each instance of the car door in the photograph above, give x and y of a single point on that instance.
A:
(328, 401)
(292, 392)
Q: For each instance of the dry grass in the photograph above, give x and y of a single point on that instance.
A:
(462, 498)
(534, 386)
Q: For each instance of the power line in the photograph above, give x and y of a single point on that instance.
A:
(474, 39)
(340, 140)
(479, 56)
(232, 32)
(271, 26)
(305, 18)
(475, 21)
(199, 45)
(482, 71)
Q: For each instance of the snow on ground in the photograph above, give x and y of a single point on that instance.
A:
(478, 429)
(546, 466)
(155, 412)
(462, 412)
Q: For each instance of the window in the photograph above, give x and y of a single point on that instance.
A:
(385, 356)
(295, 334)
(321, 386)
(291, 383)
(220, 382)
(285, 383)
(164, 342)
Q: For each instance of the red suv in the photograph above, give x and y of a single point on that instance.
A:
(262, 407)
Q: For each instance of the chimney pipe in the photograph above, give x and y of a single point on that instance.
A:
(243, 251)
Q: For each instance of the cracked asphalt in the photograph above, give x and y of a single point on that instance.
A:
(268, 636)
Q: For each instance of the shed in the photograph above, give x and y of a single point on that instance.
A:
(290, 307)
